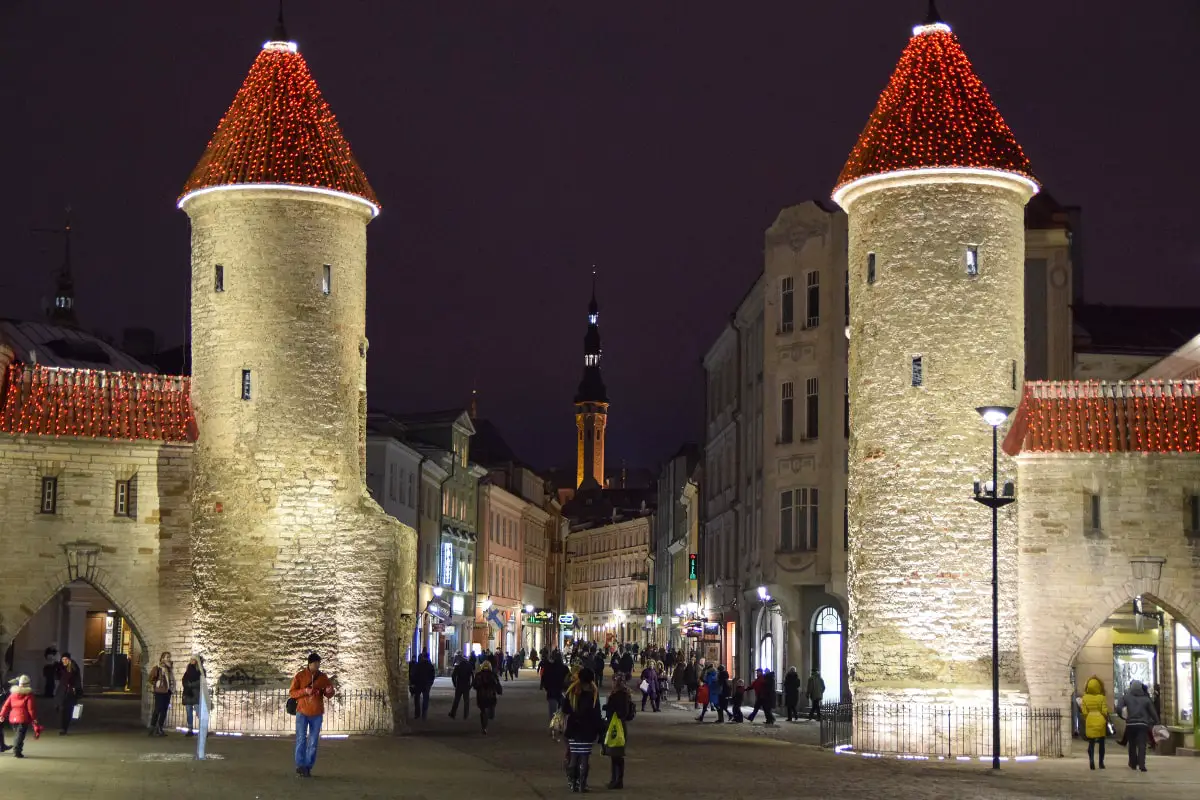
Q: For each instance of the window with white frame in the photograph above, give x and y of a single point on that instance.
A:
(787, 304)
(812, 283)
(798, 519)
(49, 495)
(125, 501)
(787, 411)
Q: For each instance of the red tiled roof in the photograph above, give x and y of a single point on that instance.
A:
(280, 130)
(935, 112)
(1096, 417)
(107, 405)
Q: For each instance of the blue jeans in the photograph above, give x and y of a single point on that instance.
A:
(308, 734)
(191, 713)
(421, 703)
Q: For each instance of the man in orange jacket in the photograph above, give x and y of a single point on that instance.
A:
(309, 689)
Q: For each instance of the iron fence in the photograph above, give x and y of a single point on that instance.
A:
(262, 711)
(952, 732)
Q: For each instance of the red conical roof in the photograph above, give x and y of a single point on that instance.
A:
(280, 130)
(935, 112)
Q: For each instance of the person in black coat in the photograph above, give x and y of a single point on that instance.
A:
(554, 679)
(191, 691)
(585, 726)
(768, 701)
(627, 665)
(620, 706)
(791, 694)
(461, 678)
(598, 666)
(421, 679)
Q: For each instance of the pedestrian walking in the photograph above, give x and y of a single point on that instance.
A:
(461, 678)
(627, 665)
(649, 687)
(619, 712)
(67, 691)
(584, 726)
(1138, 710)
(19, 711)
(487, 689)
(309, 689)
(710, 695)
(691, 679)
(191, 692)
(679, 679)
(769, 698)
(421, 678)
(756, 686)
(815, 692)
(1093, 707)
(162, 683)
(739, 697)
(554, 681)
(791, 694)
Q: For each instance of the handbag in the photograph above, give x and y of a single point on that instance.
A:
(77, 711)
(558, 725)
(645, 687)
(615, 736)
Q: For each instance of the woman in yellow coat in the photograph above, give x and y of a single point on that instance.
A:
(1093, 706)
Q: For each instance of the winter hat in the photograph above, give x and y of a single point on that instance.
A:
(23, 681)
(313, 657)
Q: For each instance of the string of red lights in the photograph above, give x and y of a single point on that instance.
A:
(1094, 417)
(101, 405)
(280, 130)
(935, 112)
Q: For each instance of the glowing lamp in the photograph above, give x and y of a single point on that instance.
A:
(994, 415)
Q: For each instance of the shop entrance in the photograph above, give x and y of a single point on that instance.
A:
(827, 651)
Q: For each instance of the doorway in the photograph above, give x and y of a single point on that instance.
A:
(827, 651)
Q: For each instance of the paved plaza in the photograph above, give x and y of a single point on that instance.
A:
(111, 758)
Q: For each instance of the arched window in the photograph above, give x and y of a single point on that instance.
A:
(828, 619)
(827, 651)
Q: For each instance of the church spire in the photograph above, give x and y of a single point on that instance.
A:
(61, 310)
(591, 388)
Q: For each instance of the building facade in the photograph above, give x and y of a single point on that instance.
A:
(670, 527)
(501, 556)
(608, 582)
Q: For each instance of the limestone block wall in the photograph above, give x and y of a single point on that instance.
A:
(1071, 578)
(919, 571)
(141, 564)
(291, 554)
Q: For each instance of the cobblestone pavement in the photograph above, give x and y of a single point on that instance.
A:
(110, 758)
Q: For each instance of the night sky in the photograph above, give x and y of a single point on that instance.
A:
(515, 144)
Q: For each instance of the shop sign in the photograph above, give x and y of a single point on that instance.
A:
(539, 618)
(447, 563)
(567, 620)
(439, 609)
(693, 630)
(438, 627)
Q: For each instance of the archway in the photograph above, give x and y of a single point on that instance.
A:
(1144, 639)
(827, 651)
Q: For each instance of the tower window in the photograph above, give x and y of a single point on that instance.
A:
(787, 305)
(787, 412)
(125, 501)
(245, 384)
(847, 298)
(326, 279)
(972, 260)
(870, 268)
(219, 278)
(1093, 511)
(49, 504)
(810, 408)
(1194, 513)
(1014, 373)
(812, 283)
(918, 371)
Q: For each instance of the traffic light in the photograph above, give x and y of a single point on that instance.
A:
(691, 566)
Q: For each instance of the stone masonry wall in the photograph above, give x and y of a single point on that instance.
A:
(919, 572)
(1072, 578)
(291, 554)
(142, 565)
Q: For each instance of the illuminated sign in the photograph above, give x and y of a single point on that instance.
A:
(456, 604)
(539, 617)
(691, 566)
(447, 563)
(566, 619)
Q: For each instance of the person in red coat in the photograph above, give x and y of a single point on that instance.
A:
(20, 711)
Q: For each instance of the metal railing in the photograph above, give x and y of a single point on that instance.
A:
(931, 731)
(260, 711)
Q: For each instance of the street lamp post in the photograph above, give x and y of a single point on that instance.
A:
(995, 416)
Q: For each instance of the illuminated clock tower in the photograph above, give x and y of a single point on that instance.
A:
(591, 406)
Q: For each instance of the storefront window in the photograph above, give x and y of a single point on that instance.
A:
(1133, 662)
(1186, 646)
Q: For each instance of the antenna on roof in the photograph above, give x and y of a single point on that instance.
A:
(280, 34)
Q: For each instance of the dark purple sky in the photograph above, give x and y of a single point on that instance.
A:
(514, 144)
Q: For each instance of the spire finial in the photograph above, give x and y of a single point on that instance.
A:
(280, 34)
(931, 18)
(593, 306)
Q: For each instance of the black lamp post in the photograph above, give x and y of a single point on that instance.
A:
(991, 497)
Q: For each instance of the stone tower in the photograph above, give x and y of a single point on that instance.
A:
(591, 406)
(935, 191)
(290, 554)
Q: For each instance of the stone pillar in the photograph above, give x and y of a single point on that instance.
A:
(76, 619)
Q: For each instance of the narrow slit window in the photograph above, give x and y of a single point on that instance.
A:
(1014, 373)
(1094, 512)
(49, 503)
(918, 371)
(972, 260)
(246, 384)
(1194, 513)
(870, 268)
(219, 278)
(326, 279)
